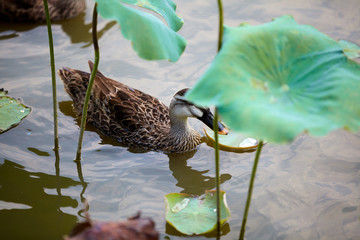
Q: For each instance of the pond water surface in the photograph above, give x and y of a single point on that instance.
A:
(309, 189)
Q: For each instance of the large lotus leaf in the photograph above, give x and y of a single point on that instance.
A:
(11, 112)
(276, 80)
(166, 8)
(194, 215)
(151, 38)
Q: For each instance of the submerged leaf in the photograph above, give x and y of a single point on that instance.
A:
(195, 215)
(11, 112)
(151, 38)
(276, 80)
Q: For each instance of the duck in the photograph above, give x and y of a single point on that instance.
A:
(135, 118)
(33, 10)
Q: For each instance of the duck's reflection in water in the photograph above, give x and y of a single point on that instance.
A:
(190, 180)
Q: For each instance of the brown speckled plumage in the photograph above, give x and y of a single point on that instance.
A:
(33, 10)
(131, 116)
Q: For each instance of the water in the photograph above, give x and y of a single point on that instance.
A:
(309, 189)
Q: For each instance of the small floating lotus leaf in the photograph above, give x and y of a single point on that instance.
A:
(150, 37)
(276, 80)
(11, 112)
(233, 141)
(194, 215)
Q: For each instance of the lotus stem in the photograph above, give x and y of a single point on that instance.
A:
(53, 76)
(217, 171)
(221, 24)
(251, 186)
(216, 134)
(91, 82)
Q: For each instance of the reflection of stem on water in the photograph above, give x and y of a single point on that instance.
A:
(57, 173)
(84, 185)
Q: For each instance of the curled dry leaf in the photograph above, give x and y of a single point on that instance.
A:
(135, 228)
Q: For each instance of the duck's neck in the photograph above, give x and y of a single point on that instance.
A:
(182, 136)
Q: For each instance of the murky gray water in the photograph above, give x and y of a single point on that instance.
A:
(309, 189)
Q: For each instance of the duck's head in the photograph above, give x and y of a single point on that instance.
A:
(180, 108)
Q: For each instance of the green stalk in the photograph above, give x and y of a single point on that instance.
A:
(217, 171)
(91, 82)
(221, 24)
(53, 77)
(216, 134)
(251, 186)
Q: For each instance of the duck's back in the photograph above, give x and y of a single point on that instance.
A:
(121, 112)
(33, 10)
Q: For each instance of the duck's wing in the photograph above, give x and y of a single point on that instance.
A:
(128, 108)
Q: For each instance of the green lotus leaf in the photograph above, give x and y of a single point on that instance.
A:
(194, 215)
(11, 112)
(276, 80)
(151, 38)
(350, 49)
(166, 8)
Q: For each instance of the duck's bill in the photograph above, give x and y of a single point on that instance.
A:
(224, 130)
(208, 119)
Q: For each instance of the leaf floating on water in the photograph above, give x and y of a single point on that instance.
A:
(12, 111)
(233, 141)
(195, 215)
(180, 205)
(248, 142)
(277, 80)
(151, 38)
(2, 92)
